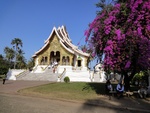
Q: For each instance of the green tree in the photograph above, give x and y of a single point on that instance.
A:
(10, 53)
(17, 43)
(21, 61)
(104, 5)
(4, 65)
(30, 64)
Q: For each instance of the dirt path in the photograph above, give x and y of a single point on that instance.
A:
(14, 86)
(23, 104)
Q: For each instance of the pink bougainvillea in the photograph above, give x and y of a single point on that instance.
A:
(123, 35)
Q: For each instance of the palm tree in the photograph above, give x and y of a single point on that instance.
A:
(21, 63)
(17, 43)
(105, 5)
(10, 53)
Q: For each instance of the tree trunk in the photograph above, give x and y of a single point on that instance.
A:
(126, 81)
(134, 71)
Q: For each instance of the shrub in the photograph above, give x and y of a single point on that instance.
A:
(67, 79)
(138, 77)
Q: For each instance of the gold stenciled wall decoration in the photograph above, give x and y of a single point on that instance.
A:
(54, 46)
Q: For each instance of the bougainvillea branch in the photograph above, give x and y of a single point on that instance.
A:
(123, 35)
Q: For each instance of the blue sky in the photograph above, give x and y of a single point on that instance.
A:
(33, 20)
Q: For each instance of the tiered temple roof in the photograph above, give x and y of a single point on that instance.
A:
(65, 41)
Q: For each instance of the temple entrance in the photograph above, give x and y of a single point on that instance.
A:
(44, 61)
(65, 60)
(58, 56)
(54, 57)
(79, 63)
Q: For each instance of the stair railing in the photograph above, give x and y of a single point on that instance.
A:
(22, 74)
(34, 68)
(45, 68)
(61, 75)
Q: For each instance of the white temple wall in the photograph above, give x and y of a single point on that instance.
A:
(83, 62)
(75, 62)
(12, 73)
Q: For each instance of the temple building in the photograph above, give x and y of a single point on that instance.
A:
(59, 49)
(57, 59)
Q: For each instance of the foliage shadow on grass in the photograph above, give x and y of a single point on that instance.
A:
(99, 88)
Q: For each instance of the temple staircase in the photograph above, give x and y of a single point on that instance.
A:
(47, 75)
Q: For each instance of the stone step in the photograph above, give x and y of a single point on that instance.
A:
(47, 76)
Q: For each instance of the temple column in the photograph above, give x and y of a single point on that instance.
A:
(48, 59)
(60, 60)
(40, 61)
(71, 61)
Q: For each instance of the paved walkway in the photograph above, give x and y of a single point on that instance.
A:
(12, 87)
(131, 103)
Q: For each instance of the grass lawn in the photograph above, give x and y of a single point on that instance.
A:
(70, 91)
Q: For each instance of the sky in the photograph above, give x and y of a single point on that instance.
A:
(33, 20)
